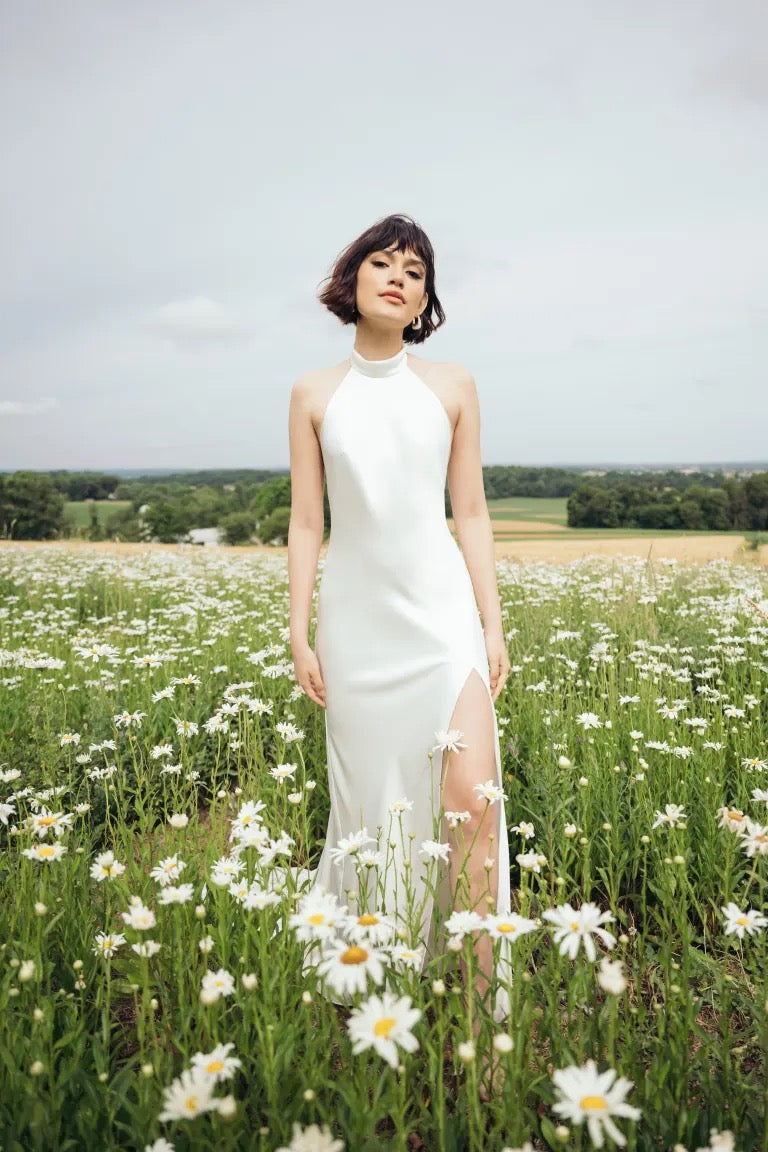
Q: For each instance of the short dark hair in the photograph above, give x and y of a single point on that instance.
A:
(339, 293)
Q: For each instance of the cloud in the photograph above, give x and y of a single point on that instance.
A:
(195, 320)
(26, 407)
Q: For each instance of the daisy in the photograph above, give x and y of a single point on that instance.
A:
(178, 894)
(433, 850)
(455, 818)
(317, 916)
(347, 967)
(525, 829)
(216, 984)
(185, 728)
(188, 1096)
(610, 976)
(167, 870)
(46, 821)
(159, 1145)
(350, 845)
(461, 923)
(740, 922)
(490, 792)
(107, 944)
(672, 815)
(571, 927)
(594, 1097)
(217, 1064)
(404, 958)
(589, 720)
(369, 858)
(755, 840)
(371, 928)
(289, 732)
(530, 861)
(225, 869)
(731, 818)
(105, 867)
(401, 805)
(312, 1139)
(45, 853)
(139, 916)
(508, 926)
(259, 898)
(384, 1023)
(283, 771)
(147, 948)
(448, 739)
(6, 810)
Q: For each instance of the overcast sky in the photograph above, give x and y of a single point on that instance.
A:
(178, 178)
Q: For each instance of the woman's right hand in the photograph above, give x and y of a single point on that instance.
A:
(307, 671)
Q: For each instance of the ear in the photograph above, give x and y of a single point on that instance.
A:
(423, 302)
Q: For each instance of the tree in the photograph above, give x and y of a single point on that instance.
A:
(30, 507)
(273, 529)
(237, 527)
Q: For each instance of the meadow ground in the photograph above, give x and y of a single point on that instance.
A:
(166, 976)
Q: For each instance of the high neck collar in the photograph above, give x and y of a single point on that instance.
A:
(379, 367)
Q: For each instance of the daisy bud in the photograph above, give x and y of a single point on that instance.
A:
(178, 820)
(77, 965)
(563, 762)
(466, 1051)
(147, 1070)
(438, 987)
(678, 859)
(583, 781)
(221, 794)
(607, 826)
(103, 1077)
(623, 939)
(205, 945)
(645, 839)
(454, 944)
(309, 1095)
(40, 908)
(249, 980)
(227, 1106)
(583, 840)
(310, 785)
(200, 911)
(154, 1004)
(38, 1014)
(36, 1068)
(209, 995)
(503, 1043)
(306, 997)
(562, 1132)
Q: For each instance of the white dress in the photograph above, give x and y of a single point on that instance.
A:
(398, 629)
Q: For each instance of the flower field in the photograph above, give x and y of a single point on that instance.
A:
(170, 979)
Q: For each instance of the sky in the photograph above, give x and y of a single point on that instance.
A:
(179, 178)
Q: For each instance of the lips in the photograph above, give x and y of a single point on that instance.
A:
(393, 296)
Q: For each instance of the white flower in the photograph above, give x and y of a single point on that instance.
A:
(671, 816)
(384, 1023)
(454, 818)
(594, 1097)
(188, 1096)
(346, 968)
(107, 943)
(610, 976)
(147, 948)
(525, 829)
(530, 861)
(45, 853)
(589, 720)
(401, 805)
(27, 971)
(490, 792)
(215, 985)
(46, 821)
(371, 928)
(461, 923)
(139, 916)
(105, 867)
(283, 771)
(224, 869)
(740, 922)
(317, 916)
(159, 1145)
(217, 1064)
(434, 850)
(572, 927)
(312, 1139)
(449, 739)
(178, 820)
(508, 926)
(465, 1051)
(404, 958)
(754, 840)
(350, 845)
(178, 894)
(168, 870)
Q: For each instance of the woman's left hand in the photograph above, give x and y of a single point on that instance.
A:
(498, 661)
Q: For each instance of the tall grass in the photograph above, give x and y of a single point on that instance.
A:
(137, 693)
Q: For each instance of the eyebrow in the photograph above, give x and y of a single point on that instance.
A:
(391, 252)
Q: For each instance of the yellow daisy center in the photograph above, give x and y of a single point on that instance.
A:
(214, 1066)
(191, 1103)
(46, 851)
(761, 839)
(354, 956)
(593, 1102)
(46, 821)
(384, 1026)
(506, 927)
(735, 814)
(317, 918)
(742, 920)
(367, 920)
(575, 926)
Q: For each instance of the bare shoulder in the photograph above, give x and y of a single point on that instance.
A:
(446, 371)
(314, 388)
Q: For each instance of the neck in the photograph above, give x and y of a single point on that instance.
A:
(376, 344)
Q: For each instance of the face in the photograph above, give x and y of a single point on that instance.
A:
(387, 271)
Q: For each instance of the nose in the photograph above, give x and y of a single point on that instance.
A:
(397, 277)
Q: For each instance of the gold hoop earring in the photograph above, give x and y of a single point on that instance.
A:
(416, 322)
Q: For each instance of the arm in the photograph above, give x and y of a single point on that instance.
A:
(473, 527)
(305, 533)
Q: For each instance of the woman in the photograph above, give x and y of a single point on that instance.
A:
(403, 667)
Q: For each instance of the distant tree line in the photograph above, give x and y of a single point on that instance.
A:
(254, 505)
(609, 503)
